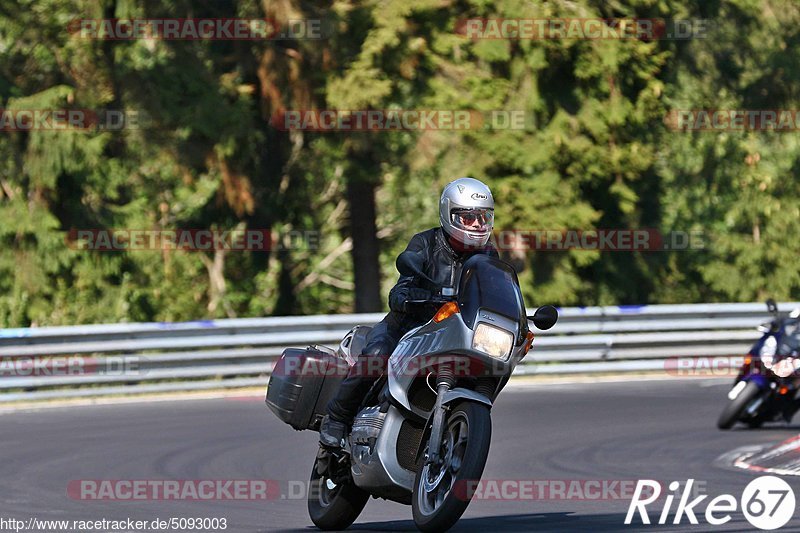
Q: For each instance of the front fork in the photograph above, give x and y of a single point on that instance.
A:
(445, 380)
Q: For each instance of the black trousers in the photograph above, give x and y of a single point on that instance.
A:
(371, 364)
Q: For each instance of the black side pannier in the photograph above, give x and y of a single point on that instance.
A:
(302, 383)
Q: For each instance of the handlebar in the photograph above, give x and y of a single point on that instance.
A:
(439, 301)
(429, 306)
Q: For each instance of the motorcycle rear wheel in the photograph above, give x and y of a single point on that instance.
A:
(442, 493)
(331, 506)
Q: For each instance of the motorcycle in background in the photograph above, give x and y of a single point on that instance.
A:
(766, 388)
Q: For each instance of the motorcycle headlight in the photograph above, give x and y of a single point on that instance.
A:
(493, 341)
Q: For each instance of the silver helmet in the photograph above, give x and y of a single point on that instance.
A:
(466, 212)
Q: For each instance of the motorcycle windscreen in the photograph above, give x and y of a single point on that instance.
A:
(790, 340)
(489, 283)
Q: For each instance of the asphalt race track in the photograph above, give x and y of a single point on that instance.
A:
(663, 430)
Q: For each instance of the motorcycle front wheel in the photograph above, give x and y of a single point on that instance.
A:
(333, 506)
(443, 491)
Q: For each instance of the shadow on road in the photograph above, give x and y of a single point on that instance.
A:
(794, 428)
(519, 522)
(547, 522)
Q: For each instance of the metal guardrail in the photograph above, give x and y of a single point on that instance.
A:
(91, 360)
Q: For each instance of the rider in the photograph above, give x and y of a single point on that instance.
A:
(466, 217)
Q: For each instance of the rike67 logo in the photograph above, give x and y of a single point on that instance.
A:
(767, 503)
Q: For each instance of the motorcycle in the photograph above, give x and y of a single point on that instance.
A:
(422, 434)
(766, 387)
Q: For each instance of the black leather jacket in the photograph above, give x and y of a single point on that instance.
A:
(441, 263)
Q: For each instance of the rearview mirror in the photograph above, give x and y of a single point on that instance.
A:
(772, 307)
(545, 317)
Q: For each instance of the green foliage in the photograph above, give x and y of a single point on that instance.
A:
(594, 152)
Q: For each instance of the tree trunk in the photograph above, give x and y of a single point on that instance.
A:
(366, 266)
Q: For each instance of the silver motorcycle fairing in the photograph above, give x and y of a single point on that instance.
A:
(373, 442)
(353, 343)
(449, 339)
(376, 468)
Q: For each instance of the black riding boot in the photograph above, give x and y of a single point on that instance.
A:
(370, 366)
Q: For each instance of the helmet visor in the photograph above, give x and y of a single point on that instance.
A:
(478, 220)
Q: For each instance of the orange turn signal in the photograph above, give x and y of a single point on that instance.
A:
(747, 361)
(784, 390)
(528, 342)
(446, 311)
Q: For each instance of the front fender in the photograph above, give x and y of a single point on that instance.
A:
(465, 394)
(451, 396)
(762, 381)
